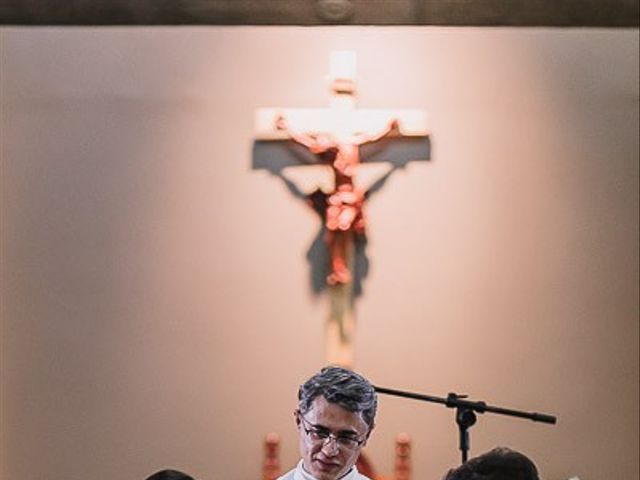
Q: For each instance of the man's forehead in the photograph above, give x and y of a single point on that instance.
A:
(334, 416)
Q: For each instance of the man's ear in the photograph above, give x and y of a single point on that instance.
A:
(366, 437)
(296, 414)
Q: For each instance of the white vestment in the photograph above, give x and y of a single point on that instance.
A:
(300, 473)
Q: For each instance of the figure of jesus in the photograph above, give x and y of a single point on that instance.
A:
(343, 215)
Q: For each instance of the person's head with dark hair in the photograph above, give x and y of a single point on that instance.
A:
(498, 464)
(169, 475)
(335, 416)
(344, 387)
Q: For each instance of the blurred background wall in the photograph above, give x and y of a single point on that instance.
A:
(156, 306)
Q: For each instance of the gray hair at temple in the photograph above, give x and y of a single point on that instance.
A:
(344, 387)
(499, 464)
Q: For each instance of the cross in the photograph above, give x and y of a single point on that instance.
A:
(339, 139)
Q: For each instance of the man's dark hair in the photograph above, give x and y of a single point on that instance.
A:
(339, 385)
(498, 464)
(169, 475)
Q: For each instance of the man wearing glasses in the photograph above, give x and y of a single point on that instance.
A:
(335, 416)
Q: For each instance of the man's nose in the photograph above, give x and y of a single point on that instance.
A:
(330, 446)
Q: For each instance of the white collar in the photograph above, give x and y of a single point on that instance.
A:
(302, 474)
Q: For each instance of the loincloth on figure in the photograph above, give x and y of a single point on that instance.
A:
(344, 210)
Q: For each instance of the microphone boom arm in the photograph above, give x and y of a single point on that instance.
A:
(466, 411)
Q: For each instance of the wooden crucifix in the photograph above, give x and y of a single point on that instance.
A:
(338, 138)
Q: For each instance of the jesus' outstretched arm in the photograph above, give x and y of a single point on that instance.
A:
(305, 139)
(393, 127)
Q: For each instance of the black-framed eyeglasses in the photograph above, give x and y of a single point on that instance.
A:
(317, 434)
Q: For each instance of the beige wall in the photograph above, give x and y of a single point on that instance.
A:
(156, 306)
